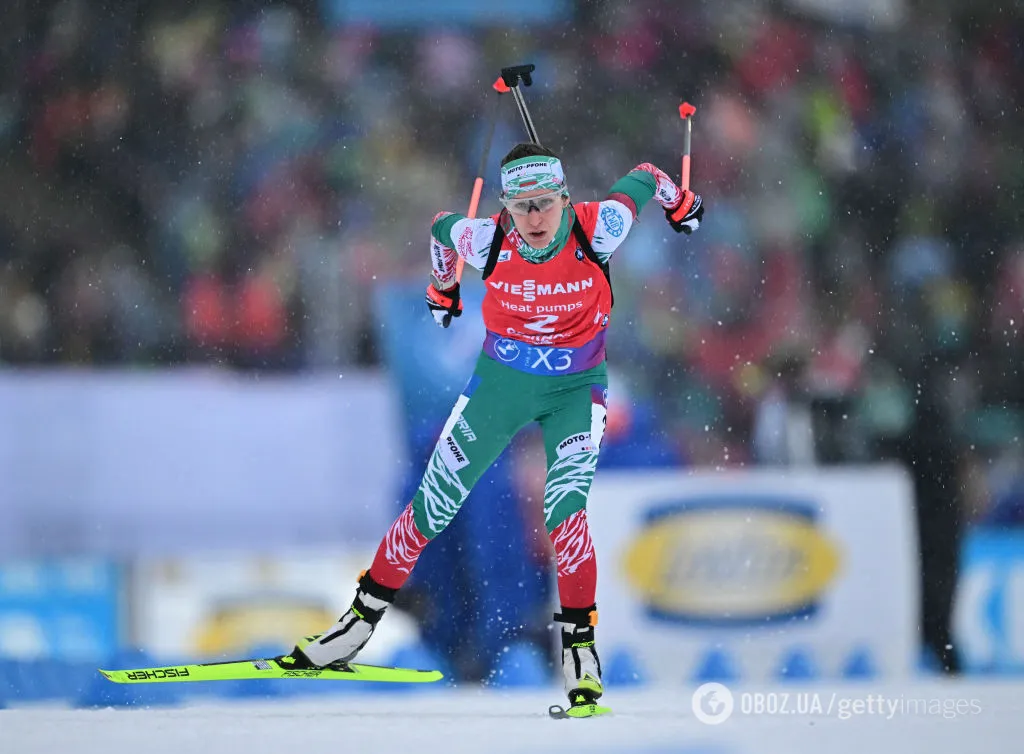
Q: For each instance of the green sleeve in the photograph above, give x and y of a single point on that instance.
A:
(442, 229)
(638, 185)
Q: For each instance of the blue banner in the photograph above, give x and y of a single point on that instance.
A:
(415, 13)
(60, 609)
(989, 612)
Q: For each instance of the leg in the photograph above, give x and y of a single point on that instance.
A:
(572, 438)
(480, 426)
(484, 419)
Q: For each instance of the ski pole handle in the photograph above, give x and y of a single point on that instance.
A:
(510, 76)
(686, 111)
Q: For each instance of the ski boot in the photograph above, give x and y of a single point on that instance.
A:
(581, 667)
(343, 641)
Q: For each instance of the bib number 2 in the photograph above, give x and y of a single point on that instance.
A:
(541, 322)
(548, 359)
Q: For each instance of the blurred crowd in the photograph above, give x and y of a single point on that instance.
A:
(226, 182)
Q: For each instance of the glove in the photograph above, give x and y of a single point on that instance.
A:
(685, 216)
(444, 305)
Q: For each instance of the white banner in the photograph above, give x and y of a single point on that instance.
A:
(228, 605)
(176, 461)
(814, 570)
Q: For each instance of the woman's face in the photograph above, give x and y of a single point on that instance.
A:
(537, 215)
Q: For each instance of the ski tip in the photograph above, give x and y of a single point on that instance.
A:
(110, 675)
(394, 674)
(578, 711)
(428, 676)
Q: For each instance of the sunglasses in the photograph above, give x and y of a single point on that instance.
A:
(542, 203)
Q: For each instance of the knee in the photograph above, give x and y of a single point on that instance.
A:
(573, 524)
(571, 540)
(435, 508)
(568, 486)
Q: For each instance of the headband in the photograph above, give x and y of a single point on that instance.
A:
(530, 173)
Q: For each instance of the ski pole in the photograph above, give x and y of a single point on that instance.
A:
(686, 111)
(511, 76)
(478, 183)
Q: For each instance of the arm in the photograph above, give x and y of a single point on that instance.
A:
(453, 236)
(646, 182)
(683, 209)
(627, 197)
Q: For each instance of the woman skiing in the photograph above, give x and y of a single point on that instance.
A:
(546, 311)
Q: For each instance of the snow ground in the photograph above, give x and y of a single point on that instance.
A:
(650, 721)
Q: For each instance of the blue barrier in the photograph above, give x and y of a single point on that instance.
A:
(419, 656)
(716, 665)
(66, 608)
(860, 665)
(13, 685)
(622, 668)
(928, 662)
(797, 665)
(989, 606)
(29, 681)
(521, 665)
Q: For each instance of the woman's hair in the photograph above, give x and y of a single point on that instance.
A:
(527, 150)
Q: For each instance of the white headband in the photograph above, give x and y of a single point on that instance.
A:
(529, 173)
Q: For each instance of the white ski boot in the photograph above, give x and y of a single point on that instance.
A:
(343, 641)
(581, 667)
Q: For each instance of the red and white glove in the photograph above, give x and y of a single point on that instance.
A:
(685, 217)
(444, 304)
(683, 209)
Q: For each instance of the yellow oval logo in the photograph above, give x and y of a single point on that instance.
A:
(235, 628)
(734, 563)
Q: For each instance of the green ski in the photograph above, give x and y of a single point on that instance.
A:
(582, 703)
(270, 667)
(559, 712)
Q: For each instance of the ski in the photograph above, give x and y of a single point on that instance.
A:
(558, 712)
(270, 667)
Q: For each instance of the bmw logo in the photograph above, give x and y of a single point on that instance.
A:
(604, 321)
(506, 350)
(579, 253)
